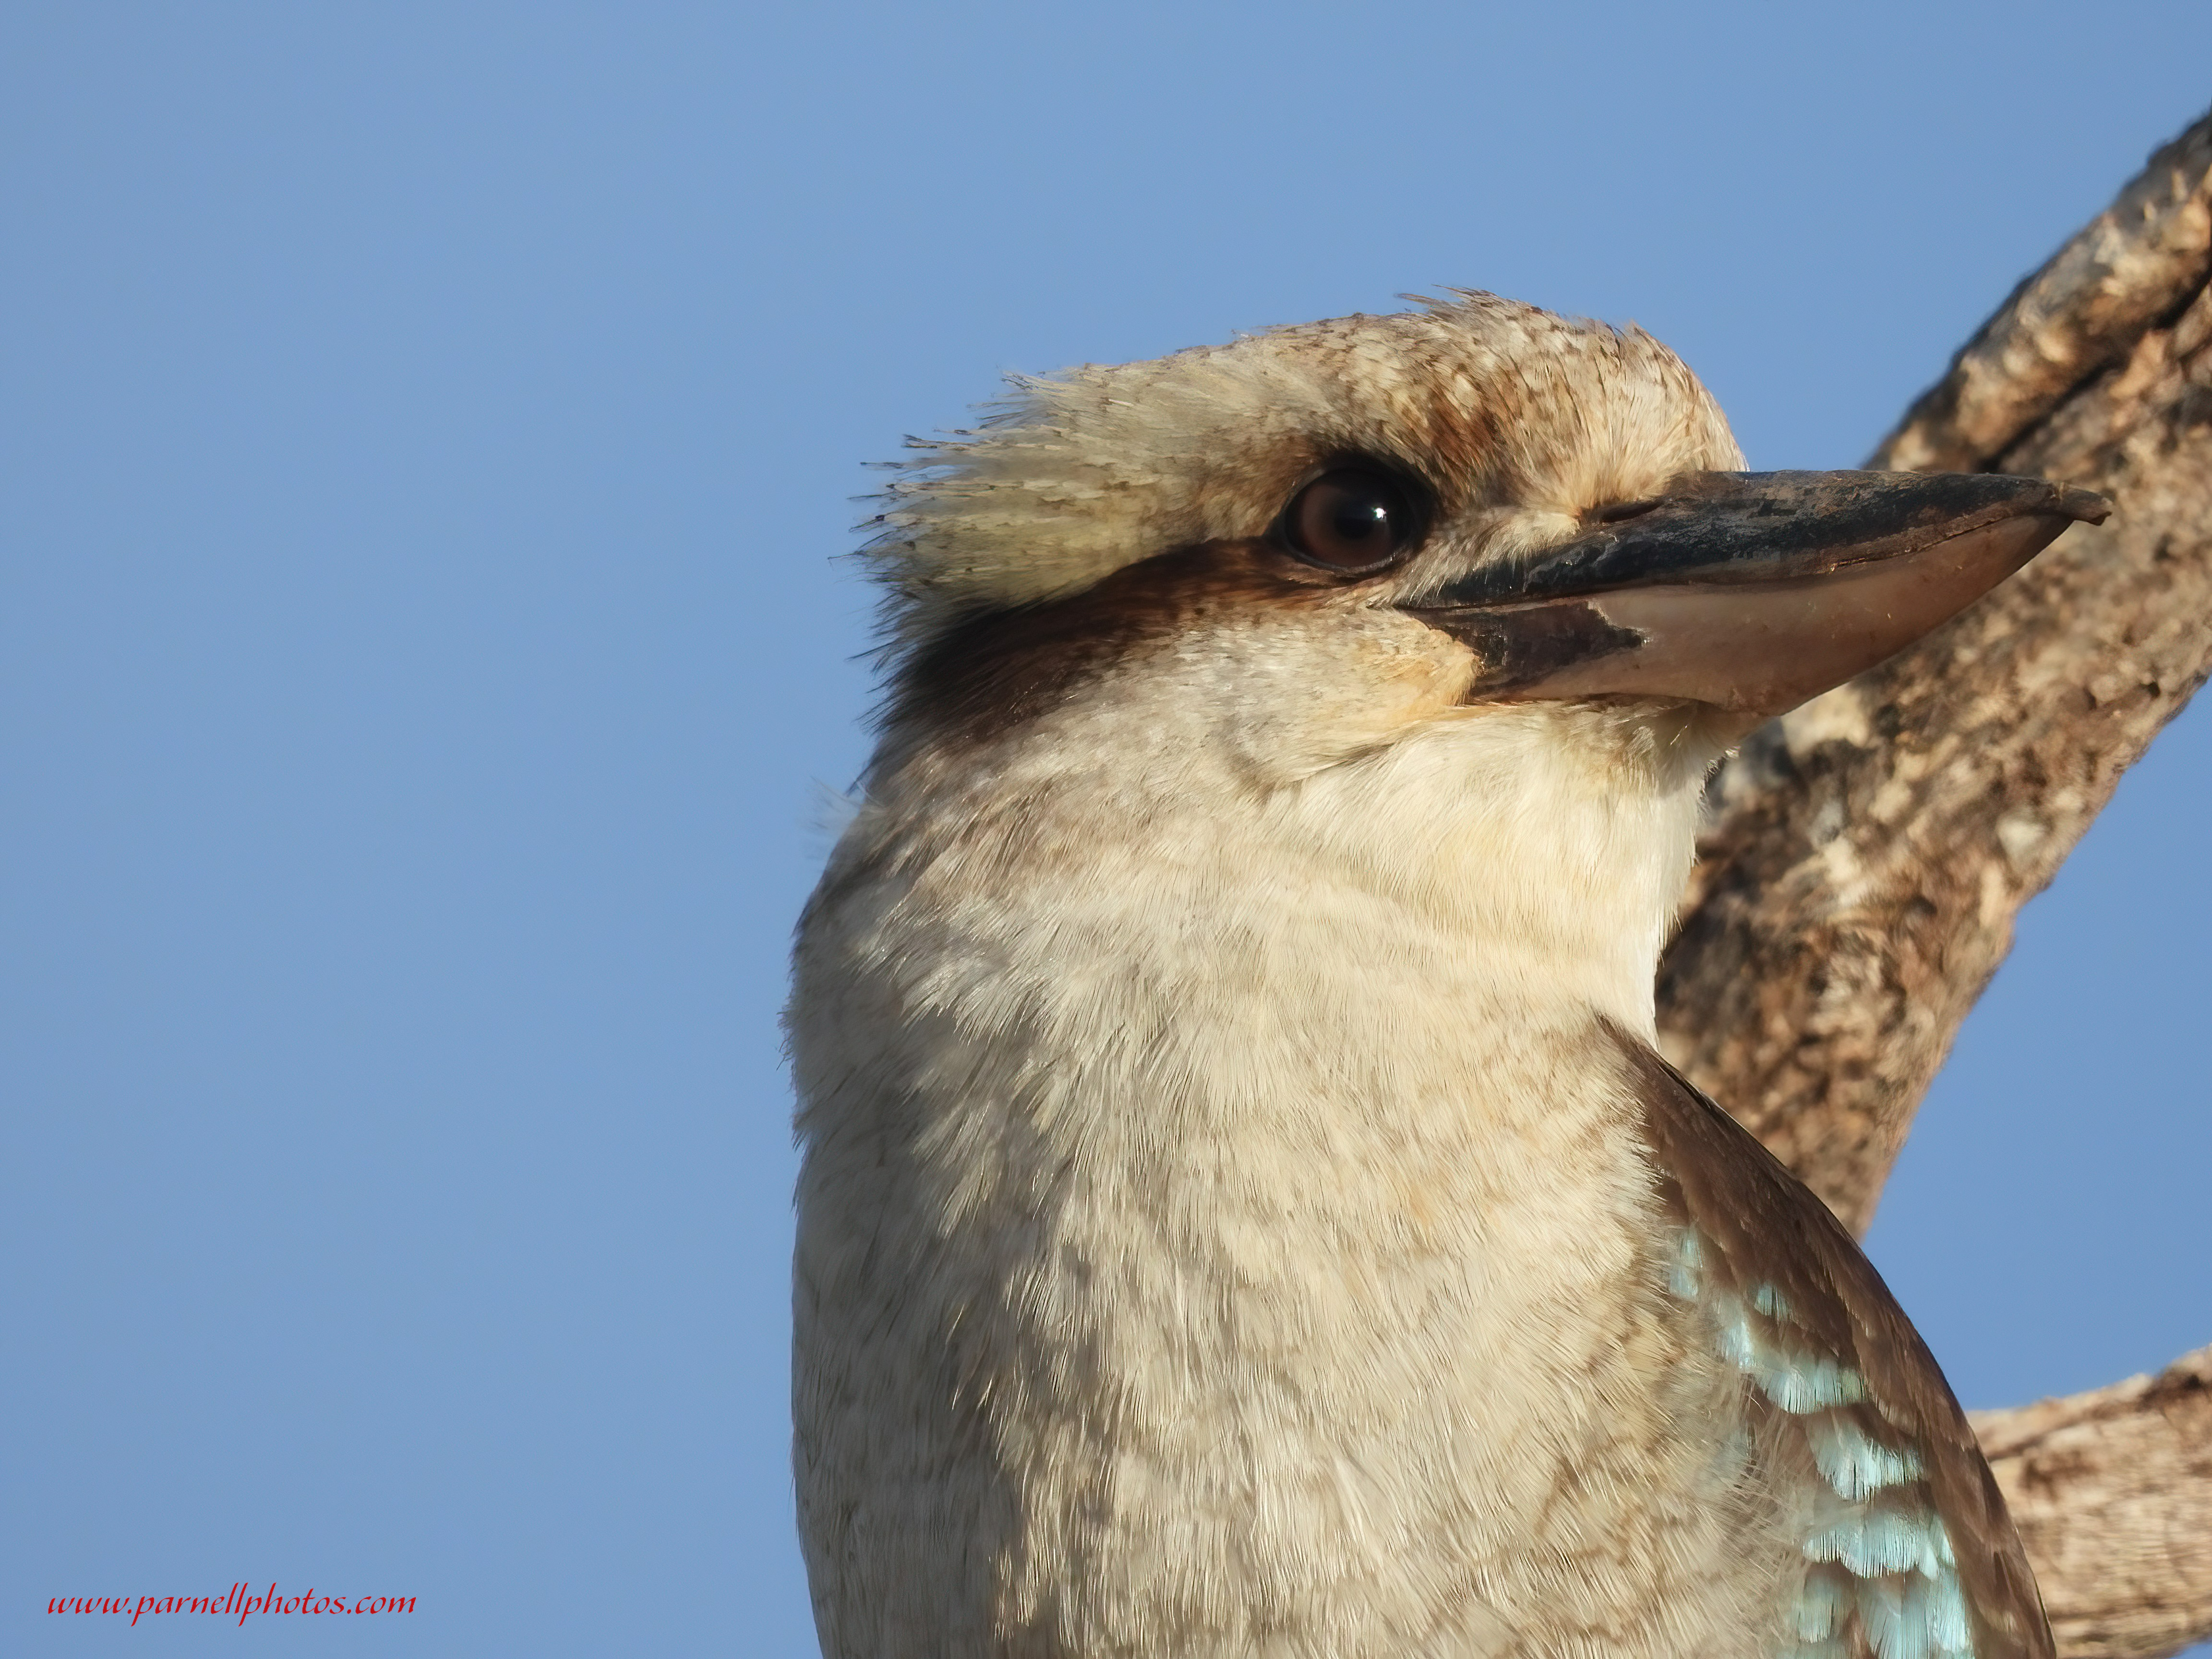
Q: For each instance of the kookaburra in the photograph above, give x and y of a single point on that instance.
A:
(1244, 1212)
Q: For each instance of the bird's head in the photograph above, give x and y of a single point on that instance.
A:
(1315, 541)
(1462, 603)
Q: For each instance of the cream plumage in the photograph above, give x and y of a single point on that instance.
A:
(1242, 1214)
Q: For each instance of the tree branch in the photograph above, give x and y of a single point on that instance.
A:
(2112, 1491)
(1865, 857)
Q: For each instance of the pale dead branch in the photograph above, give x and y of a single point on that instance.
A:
(2112, 1491)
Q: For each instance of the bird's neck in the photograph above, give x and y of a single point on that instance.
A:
(1499, 867)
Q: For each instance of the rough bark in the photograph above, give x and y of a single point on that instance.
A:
(1865, 857)
(2112, 1491)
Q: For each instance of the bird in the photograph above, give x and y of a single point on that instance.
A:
(1244, 1209)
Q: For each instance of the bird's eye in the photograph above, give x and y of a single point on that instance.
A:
(1351, 520)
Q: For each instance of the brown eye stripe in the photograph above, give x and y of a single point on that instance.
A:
(998, 668)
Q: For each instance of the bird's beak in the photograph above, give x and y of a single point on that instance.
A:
(1750, 591)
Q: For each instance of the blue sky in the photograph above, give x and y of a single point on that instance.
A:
(430, 431)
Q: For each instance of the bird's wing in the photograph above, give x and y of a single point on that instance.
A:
(1909, 1553)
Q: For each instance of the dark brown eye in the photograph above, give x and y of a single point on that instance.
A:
(1351, 520)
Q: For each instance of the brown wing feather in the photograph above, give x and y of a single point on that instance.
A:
(1761, 1227)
